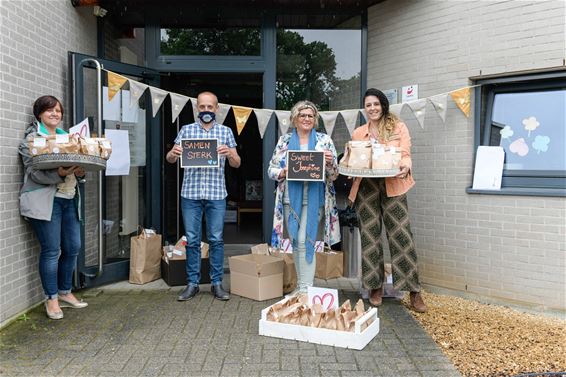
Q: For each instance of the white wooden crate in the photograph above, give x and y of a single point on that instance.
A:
(345, 339)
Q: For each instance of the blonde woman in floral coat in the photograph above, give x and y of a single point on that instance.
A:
(301, 206)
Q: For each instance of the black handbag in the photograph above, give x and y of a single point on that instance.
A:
(348, 217)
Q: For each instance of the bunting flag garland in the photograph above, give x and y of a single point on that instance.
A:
(263, 116)
(115, 83)
(195, 109)
(329, 120)
(419, 110)
(350, 117)
(283, 119)
(462, 99)
(396, 109)
(178, 101)
(136, 91)
(223, 110)
(241, 114)
(440, 105)
(157, 98)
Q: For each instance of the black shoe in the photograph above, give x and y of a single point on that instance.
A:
(219, 293)
(188, 293)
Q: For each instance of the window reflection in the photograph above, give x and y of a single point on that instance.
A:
(211, 41)
(322, 66)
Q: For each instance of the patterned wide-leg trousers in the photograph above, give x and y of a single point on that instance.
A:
(374, 208)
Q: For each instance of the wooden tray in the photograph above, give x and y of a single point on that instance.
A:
(368, 173)
(55, 160)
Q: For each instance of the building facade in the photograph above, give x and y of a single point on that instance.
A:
(506, 247)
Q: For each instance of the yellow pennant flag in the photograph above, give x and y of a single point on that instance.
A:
(241, 114)
(115, 82)
(462, 99)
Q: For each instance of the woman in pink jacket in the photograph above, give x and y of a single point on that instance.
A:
(383, 201)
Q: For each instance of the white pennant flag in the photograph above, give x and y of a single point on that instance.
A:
(329, 120)
(419, 110)
(440, 103)
(222, 112)
(157, 98)
(136, 91)
(178, 101)
(350, 117)
(283, 119)
(396, 109)
(195, 109)
(263, 116)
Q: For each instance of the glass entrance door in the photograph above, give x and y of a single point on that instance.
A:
(243, 220)
(124, 201)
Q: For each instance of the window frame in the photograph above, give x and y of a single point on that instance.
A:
(523, 182)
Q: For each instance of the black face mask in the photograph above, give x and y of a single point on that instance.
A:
(207, 116)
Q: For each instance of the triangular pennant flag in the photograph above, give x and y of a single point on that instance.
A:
(136, 91)
(439, 102)
(329, 120)
(223, 110)
(396, 109)
(178, 101)
(157, 98)
(462, 99)
(195, 109)
(283, 119)
(350, 117)
(115, 82)
(241, 114)
(263, 116)
(363, 118)
(419, 110)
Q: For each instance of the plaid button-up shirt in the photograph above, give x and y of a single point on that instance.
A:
(205, 183)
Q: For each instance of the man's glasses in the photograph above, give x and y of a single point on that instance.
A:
(307, 116)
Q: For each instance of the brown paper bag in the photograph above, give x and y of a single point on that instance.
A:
(145, 257)
(329, 264)
(289, 271)
(357, 155)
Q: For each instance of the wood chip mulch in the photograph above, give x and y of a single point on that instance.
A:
(493, 341)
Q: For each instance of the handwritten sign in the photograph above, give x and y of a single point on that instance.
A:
(199, 153)
(327, 298)
(305, 165)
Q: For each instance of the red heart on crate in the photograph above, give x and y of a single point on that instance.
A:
(323, 299)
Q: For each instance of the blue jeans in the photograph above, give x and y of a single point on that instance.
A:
(214, 211)
(62, 233)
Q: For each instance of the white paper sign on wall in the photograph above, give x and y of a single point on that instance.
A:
(409, 93)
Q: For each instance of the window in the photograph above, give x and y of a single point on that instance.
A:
(226, 41)
(526, 115)
(319, 58)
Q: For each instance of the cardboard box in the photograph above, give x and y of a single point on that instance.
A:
(355, 340)
(329, 264)
(259, 277)
(173, 265)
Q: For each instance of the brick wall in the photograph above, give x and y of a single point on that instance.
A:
(35, 36)
(509, 248)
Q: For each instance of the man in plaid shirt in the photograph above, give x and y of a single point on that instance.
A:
(204, 191)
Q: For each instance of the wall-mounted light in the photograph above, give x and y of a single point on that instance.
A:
(98, 11)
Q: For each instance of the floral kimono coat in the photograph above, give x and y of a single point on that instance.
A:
(277, 163)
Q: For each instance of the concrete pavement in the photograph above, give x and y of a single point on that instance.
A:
(130, 330)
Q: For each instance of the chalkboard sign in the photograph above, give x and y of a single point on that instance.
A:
(305, 166)
(199, 153)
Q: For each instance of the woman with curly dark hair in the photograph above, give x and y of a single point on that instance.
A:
(384, 201)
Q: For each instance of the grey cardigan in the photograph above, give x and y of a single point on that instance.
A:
(39, 188)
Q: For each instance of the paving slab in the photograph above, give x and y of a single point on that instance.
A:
(143, 331)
